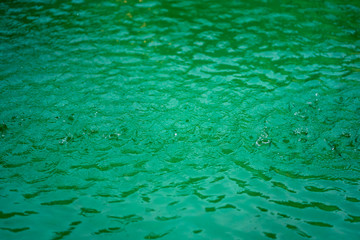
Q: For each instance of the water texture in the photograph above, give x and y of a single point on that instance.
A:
(176, 119)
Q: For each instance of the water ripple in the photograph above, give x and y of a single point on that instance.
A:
(179, 119)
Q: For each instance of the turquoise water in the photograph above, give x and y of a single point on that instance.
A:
(180, 119)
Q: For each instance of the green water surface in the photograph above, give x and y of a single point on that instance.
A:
(180, 119)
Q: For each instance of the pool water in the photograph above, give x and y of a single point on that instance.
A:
(173, 119)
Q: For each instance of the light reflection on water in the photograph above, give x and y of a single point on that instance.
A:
(179, 120)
